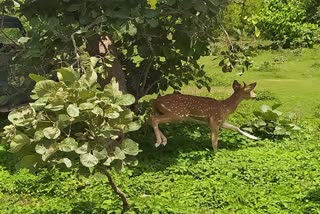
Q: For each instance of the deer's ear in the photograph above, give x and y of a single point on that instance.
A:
(236, 85)
(250, 87)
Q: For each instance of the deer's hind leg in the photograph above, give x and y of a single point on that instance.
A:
(156, 120)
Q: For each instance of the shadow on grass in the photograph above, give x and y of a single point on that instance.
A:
(86, 207)
(183, 138)
(313, 196)
(7, 160)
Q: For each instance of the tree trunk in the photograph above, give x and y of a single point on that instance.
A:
(103, 46)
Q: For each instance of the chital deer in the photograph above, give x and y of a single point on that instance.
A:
(179, 107)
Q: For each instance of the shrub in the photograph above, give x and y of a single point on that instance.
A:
(271, 123)
(286, 22)
(265, 95)
(72, 120)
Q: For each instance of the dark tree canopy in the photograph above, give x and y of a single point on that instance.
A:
(155, 46)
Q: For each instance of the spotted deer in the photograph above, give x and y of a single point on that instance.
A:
(178, 107)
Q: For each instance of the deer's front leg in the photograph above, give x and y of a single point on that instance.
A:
(214, 134)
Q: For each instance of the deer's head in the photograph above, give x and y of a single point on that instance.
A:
(245, 91)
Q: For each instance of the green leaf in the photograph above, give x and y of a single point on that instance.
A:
(275, 106)
(38, 135)
(279, 113)
(108, 161)
(86, 106)
(97, 111)
(118, 165)
(112, 115)
(153, 22)
(68, 145)
(45, 87)
(23, 40)
(91, 78)
(88, 160)
(50, 151)
(270, 115)
(73, 8)
(36, 77)
(200, 6)
(149, 13)
(248, 129)
(186, 4)
(63, 121)
(264, 108)
(28, 161)
(280, 131)
(260, 122)
(100, 154)
(73, 110)
(66, 161)
(83, 149)
(68, 75)
(119, 154)
(18, 142)
(131, 161)
(112, 89)
(51, 133)
(132, 30)
(22, 116)
(152, 3)
(125, 100)
(93, 61)
(40, 149)
(134, 126)
(4, 99)
(54, 107)
(37, 106)
(130, 147)
(171, 2)
(257, 32)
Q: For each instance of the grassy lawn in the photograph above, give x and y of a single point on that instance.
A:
(185, 176)
(292, 76)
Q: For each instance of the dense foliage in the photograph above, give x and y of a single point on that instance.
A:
(157, 44)
(293, 23)
(72, 120)
(286, 22)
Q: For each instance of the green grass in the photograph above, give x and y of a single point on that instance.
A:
(294, 80)
(185, 176)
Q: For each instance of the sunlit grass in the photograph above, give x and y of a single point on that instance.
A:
(245, 176)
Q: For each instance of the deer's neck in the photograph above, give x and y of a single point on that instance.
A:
(230, 104)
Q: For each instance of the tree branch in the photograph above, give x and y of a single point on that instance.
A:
(146, 72)
(118, 191)
(75, 47)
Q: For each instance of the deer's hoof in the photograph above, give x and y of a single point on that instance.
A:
(157, 145)
(164, 142)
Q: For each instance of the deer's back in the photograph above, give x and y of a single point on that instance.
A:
(187, 105)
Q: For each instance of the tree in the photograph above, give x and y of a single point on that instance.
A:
(136, 46)
(154, 48)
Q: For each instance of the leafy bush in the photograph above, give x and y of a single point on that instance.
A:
(271, 123)
(73, 120)
(265, 95)
(266, 67)
(234, 16)
(286, 21)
